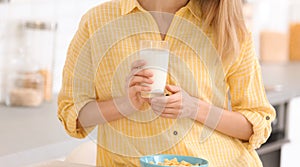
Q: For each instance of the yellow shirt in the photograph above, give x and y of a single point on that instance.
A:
(98, 61)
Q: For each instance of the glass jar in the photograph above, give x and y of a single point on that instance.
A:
(25, 88)
(39, 39)
(294, 31)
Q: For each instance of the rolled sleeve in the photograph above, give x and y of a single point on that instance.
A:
(78, 83)
(68, 116)
(248, 95)
(261, 125)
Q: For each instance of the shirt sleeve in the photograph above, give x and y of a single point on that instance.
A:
(248, 95)
(78, 84)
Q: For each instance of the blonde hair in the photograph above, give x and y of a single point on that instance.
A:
(225, 17)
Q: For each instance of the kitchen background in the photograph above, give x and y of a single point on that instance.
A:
(269, 20)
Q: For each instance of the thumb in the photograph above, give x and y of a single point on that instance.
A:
(173, 88)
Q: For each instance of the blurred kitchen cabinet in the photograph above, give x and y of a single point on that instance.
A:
(294, 48)
(273, 46)
(294, 31)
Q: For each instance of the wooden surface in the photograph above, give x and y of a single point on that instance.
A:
(274, 46)
(294, 42)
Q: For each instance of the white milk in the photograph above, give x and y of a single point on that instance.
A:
(158, 61)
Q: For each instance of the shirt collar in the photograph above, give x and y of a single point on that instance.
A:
(129, 5)
(194, 7)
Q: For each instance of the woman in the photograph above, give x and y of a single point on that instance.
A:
(91, 93)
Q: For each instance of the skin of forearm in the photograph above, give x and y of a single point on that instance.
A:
(95, 113)
(233, 124)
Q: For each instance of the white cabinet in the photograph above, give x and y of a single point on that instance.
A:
(290, 151)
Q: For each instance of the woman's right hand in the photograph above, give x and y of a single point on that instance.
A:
(135, 84)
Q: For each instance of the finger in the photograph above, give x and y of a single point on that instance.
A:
(174, 98)
(139, 88)
(138, 72)
(138, 80)
(157, 108)
(172, 111)
(138, 63)
(157, 112)
(162, 109)
(142, 99)
(173, 88)
(177, 106)
(147, 100)
(144, 73)
(174, 105)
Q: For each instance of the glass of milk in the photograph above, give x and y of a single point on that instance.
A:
(156, 55)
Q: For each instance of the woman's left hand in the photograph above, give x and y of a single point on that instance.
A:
(178, 105)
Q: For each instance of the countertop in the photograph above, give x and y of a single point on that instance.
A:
(61, 164)
(284, 75)
(27, 131)
(33, 131)
(26, 120)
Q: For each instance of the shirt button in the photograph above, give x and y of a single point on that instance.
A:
(267, 118)
(175, 133)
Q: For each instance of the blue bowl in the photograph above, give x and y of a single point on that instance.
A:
(145, 160)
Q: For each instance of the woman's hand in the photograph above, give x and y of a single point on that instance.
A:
(179, 105)
(135, 84)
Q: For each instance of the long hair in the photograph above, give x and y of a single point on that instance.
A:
(225, 17)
